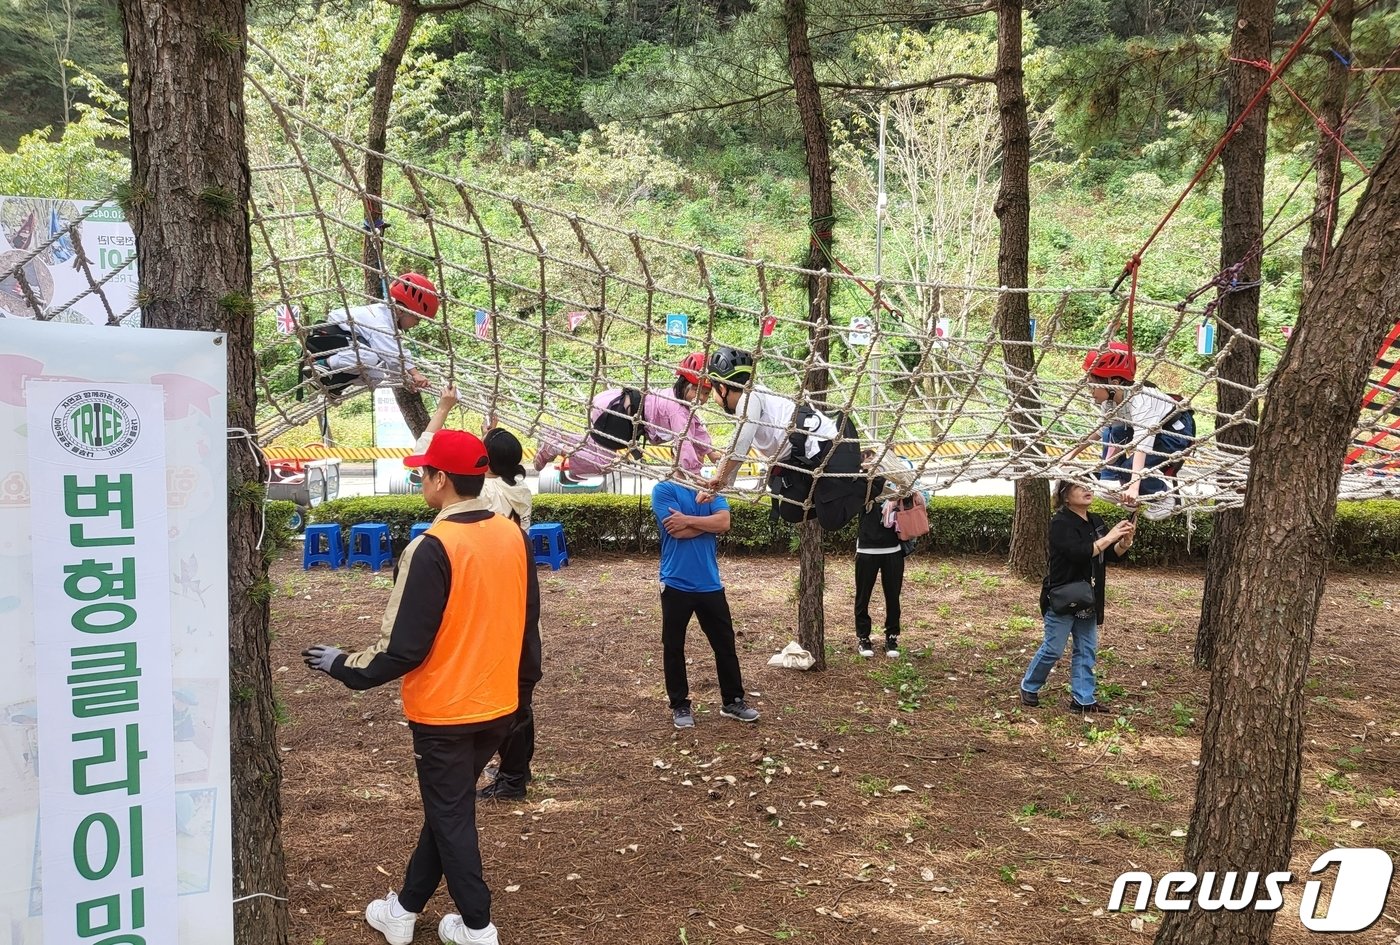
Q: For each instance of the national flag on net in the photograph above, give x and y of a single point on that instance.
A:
(769, 322)
(483, 324)
(575, 319)
(287, 317)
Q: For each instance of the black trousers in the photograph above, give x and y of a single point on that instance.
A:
(518, 749)
(449, 763)
(712, 609)
(890, 569)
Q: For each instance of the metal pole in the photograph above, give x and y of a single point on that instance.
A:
(873, 363)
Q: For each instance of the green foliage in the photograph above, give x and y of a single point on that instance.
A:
(85, 160)
(39, 48)
(1367, 532)
(278, 516)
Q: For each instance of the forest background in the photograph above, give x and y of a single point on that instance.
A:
(674, 119)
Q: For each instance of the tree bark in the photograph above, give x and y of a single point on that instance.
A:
(1030, 525)
(1237, 318)
(811, 614)
(1329, 159)
(1252, 748)
(188, 206)
(415, 412)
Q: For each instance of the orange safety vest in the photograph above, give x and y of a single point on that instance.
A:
(472, 672)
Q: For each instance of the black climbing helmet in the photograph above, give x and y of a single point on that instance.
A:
(730, 366)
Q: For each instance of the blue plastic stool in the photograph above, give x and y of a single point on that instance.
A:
(312, 553)
(418, 529)
(369, 544)
(547, 540)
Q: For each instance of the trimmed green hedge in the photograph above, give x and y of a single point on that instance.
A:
(1367, 532)
(277, 534)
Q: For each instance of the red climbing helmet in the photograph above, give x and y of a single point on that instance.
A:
(416, 293)
(692, 369)
(1115, 363)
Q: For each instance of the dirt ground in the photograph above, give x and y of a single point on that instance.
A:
(880, 802)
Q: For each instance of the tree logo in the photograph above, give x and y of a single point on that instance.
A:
(96, 424)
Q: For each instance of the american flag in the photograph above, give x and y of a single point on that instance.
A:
(287, 317)
(483, 324)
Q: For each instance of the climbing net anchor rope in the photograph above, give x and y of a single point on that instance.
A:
(544, 310)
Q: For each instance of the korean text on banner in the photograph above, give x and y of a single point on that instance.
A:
(102, 616)
(114, 722)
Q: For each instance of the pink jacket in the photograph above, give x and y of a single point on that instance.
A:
(665, 419)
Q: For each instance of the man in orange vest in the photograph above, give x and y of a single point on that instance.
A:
(462, 630)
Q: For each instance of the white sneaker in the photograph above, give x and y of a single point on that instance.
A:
(397, 930)
(864, 648)
(1158, 509)
(453, 931)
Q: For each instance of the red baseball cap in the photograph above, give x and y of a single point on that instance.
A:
(453, 451)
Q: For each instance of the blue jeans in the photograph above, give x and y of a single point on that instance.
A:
(1120, 468)
(1059, 629)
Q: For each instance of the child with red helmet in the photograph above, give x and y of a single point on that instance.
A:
(658, 416)
(363, 342)
(1145, 429)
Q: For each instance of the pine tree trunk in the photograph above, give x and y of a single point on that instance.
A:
(1237, 319)
(1030, 526)
(1329, 160)
(811, 615)
(188, 206)
(1252, 748)
(415, 412)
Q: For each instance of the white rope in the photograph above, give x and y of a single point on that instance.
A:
(533, 263)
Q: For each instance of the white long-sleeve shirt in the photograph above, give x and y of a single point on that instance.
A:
(388, 356)
(763, 417)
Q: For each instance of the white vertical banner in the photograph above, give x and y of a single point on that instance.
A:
(113, 591)
(102, 647)
(390, 476)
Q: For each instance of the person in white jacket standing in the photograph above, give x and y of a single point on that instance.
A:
(505, 492)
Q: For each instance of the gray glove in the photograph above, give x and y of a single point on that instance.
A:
(321, 657)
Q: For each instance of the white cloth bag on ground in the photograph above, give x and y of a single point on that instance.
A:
(792, 656)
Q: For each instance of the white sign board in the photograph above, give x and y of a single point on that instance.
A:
(390, 476)
(861, 331)
(54, 277)
(113, 698)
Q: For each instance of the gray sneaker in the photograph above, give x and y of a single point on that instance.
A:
(683, 717)
(738, 709)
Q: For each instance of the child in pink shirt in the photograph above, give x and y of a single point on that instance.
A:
(665, 417)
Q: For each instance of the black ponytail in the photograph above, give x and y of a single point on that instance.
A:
(505, 452)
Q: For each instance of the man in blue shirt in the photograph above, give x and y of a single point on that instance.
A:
(690, 584)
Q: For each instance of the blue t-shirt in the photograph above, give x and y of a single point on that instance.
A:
(687, 564)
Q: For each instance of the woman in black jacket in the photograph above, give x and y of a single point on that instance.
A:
(879, 554)
(1079, 548)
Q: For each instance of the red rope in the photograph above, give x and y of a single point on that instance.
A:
(1317, 119)
(869, 291)
(1332, 200)
(1274, 73)
(1135, 265)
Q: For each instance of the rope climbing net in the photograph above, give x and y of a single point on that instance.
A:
(542, 310)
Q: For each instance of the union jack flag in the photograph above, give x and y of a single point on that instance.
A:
(287, 317)
(483, 324)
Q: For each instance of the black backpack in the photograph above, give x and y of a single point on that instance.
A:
(619, 426)
(835, 500)
(322, 341)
